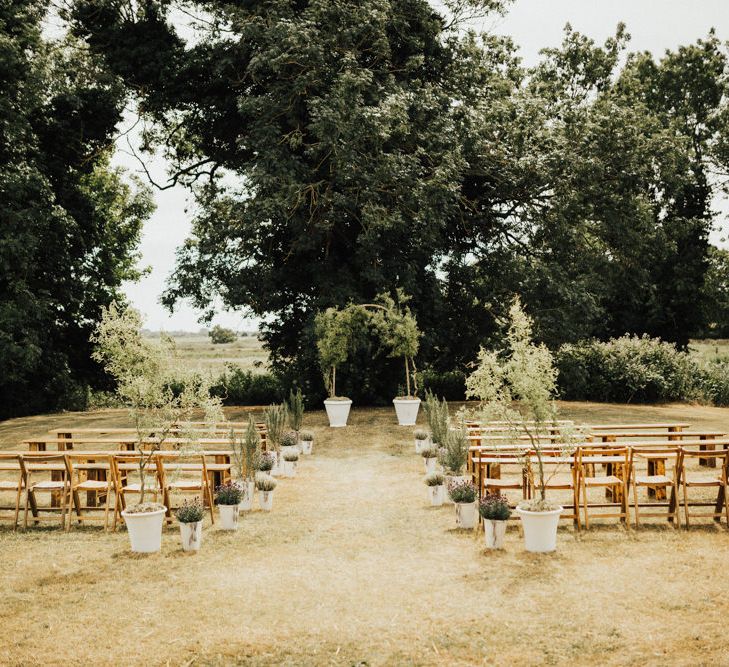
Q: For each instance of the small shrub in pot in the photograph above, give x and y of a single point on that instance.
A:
(495, 511)
(290, 459)
(227, 498)
(464, 493)
(429, 454)
(306, 442)
(265, 485)
(190, 515)
(435, 482)
(421, 439)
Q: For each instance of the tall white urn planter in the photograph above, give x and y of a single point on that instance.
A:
(338, 411)
(145, 530)
(466, 515)
(494, 532)
(436, 494)
(191, 535)
(540, 529)
(406, 410)
(228, 517)
(246, 500)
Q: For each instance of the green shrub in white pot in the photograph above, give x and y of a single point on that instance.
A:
(421, 439)
(227, 498)
(430, 457)
(266, 486)
(517, 385)
(453, 455)
(295, 412)
(190, 515)
(495, 512)
(289, 442)
(245, 451)
(435, 482)
(290, 461)
(306, 442)
(464, 494)
(275, 418)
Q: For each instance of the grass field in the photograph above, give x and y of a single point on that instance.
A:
(711, 350)
(354, 568)
(246, 352)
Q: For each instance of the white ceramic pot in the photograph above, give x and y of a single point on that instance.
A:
(228, 517)
(276, 470)
(436, 495)
(191, 535)
(338, 412)
(246, 501)
(145, 530)
(449, 479)
(406, 410)
(306, 446)
(429, 464)
(288, 468)
(292, 448)
(265, 500)
(419, 444)
(494, 532)
(466, 515)
(540, 529)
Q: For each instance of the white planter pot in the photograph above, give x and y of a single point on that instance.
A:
(406, 410)
(246, 503)
(429, 465)
(276, 470)
(540, 529)
(265, 500)
(228, 517)
(420, 444)
(145, 530)
(494, 532)
(338, 412)
(466, 515)
(449, 479)
(306, 446)
(191, 535)
(288, 468)
(436, 495)
(293, 448)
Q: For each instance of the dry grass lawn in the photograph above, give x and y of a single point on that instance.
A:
(353, 567)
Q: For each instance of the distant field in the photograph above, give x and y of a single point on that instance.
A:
(711, 350)
(247, 352)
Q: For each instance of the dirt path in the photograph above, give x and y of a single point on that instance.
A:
(353, 567)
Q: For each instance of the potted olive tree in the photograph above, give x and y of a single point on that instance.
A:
(517, 385)
(227, 498)
(398, 330)
(464, 494)
(159, 393)
(306, 442)
(266, 486)
(495, 512)
(333, 332)
(190, 515)
(244, 454)
(435, 482)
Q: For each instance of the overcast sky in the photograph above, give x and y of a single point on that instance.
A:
(654, 25)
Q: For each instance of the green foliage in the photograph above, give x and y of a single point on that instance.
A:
(238, 387)
(454, 452)
(429, 452)
(228, 494)
(306, 436)
(190, 511)
(435, 479)
(420, 434)
(275, 418)
(289, 439)
(263, 462)
(626, 369)
(295, 408)
(438, 416)
(245, 450)
(462, 491)
(291, 456)
(450, 385)
(333, 336)
(265, 482)
(220, 335)
(494, 507)
(70, 222)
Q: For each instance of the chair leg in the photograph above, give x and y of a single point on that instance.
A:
(27, 498)
(106, 507)
(584, 501)
(635, 502)
(685, 503)
(17, 507)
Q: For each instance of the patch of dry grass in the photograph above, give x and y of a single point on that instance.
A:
(354, 567)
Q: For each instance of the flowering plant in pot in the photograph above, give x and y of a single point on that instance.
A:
(265, 485)
(421, 439)
(245, 451)
(306, 442)
(523, 375)
(290, 460)
(452, 455)
(227, 498)
(145, 374)
(435, 482)
(430, 456)
(190, 515)
(464, 494)
(263, 462)
(495, 511)
(289, 442)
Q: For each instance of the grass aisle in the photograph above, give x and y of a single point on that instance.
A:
(354, 567)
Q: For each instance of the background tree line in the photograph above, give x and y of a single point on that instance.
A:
(339, 150)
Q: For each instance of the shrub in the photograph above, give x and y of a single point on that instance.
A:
(306, 436)
(436, 411)
(238, 387)
(462, 491)
(291, 456)
(220, 335)
(190, 512)
(420, 434)
(454, 452)
(289, 439)
(263, 461)
(450, 385)
(713, 382)
(435, 479)
(630, 368)
(429, 452)
(265, 483)
(494, 507)
(228, 494)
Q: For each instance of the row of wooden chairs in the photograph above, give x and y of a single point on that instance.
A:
(616, 471)
(106, 479)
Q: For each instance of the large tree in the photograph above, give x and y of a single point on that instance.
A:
(70, 223)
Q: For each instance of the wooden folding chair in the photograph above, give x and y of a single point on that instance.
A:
(185, 473)
(125, 467)
(614, 479)
(490, 465)
(13, 481)
(90, 473)
(650, 482)
(45, 473)
(688, 479)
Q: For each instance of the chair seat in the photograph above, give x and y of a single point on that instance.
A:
(48, 486)
(502, 483)
(8, 486)
(607, 480)
(704, 481)
(644, 480)
(185, 486)
(91, 485)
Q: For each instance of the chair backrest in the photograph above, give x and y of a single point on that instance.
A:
(722, 455)
(595, 453)
(81, 462)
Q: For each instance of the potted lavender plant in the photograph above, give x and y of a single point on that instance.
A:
(190, 515)
(227, 498)
(464, 494)
(306, 442)
(435, 482)
(290, 461)
(495, 511)
(430, 455)
(421, 440)
(265, 485)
